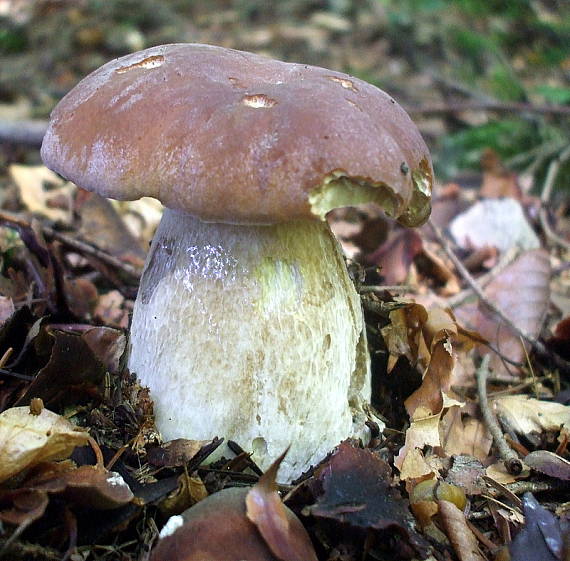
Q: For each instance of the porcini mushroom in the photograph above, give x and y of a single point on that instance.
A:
(246, 324)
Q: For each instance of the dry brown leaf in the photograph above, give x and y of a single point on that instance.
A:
(465, 435)
(396, 255)
(403, 335)
(97, 487)
(27, 439)
(549, 463)
(104, 228)
(498, 472)
(441, 335)
(283, 534)
(31, 180)
(191, 489)
(526, 415)
(460, 535)
(521, 291)
(175, 453)
(423, 431)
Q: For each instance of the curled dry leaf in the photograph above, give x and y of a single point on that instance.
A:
(102, 226)
(460, 535)
(465, 435)
(549, 463)
(527, 415)
(282, 532)
(26, 439)
(423, 431)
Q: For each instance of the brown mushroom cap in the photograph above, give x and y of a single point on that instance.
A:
(235, 137)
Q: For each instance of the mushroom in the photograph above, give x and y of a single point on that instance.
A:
(246, 323)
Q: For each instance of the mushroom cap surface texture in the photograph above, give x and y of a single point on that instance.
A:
(235, 137)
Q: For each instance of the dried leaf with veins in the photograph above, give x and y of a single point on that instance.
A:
(26, 439)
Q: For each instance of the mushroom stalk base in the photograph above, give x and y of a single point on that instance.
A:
(254, 334)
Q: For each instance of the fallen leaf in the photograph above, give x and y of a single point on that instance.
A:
(460, 535)
(500, 223)
(357, 491)
(396, 255)
(521, 291)
(27, 439)
(73, 372)
(107, 344)
(540, 538)
(190, 490)
(423, 431)
(266, 510)
(549, 463)
(31, 182)
(462, 434)
(102, 226)
(526, 415)
(175, 452)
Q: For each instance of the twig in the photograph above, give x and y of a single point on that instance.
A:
(552, 173)
(389, 287)
(77, 245)
(497, 106)
(27, 133)
(512, 461)
(558, 361)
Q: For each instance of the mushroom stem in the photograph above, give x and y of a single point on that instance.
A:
(253, 333)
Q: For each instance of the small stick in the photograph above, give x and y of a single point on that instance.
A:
(97, 451)
(551, 175)
(389, 287)
(512, 462)
(79, 246)
(558, 361)
(27, 133)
